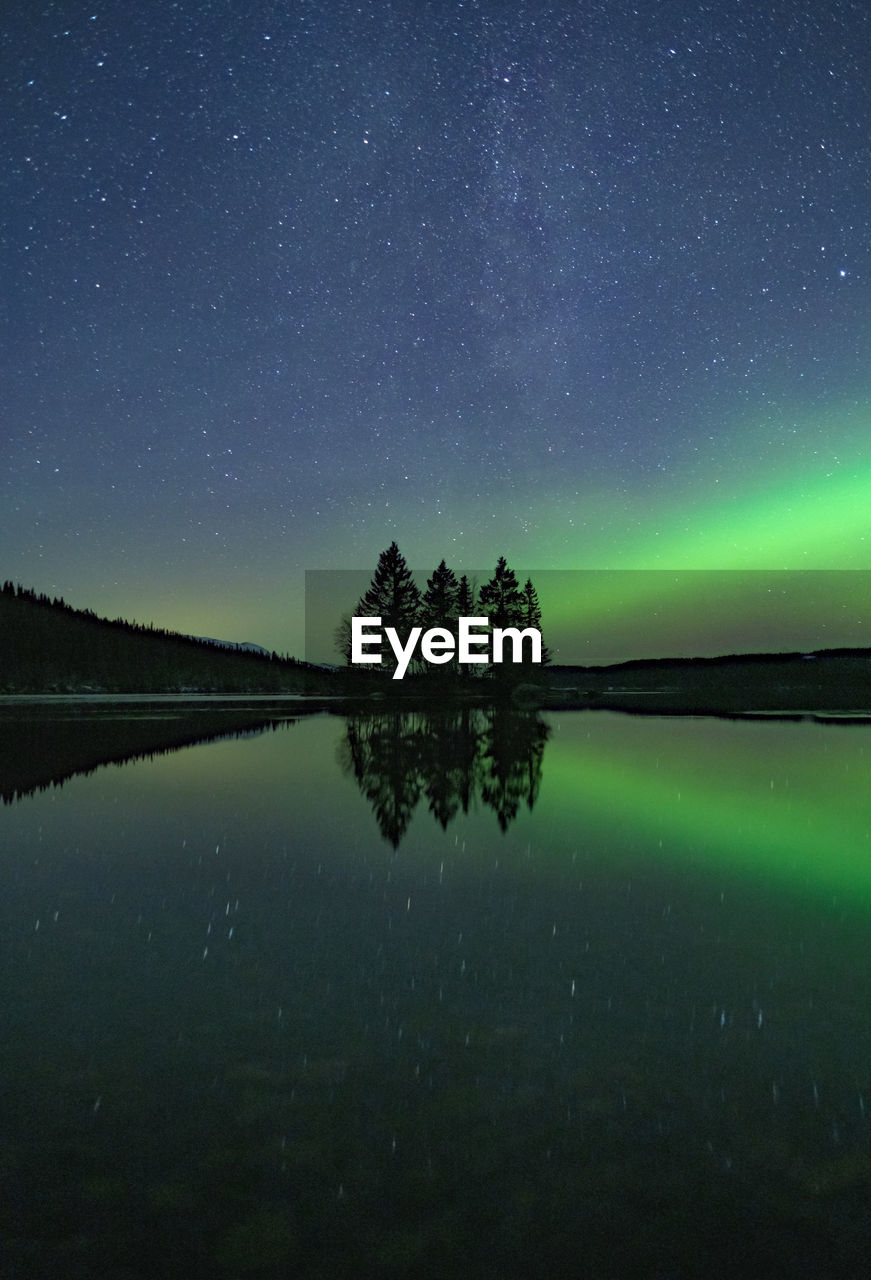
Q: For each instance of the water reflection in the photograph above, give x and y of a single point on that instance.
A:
(45, 742)
(245, 1036)
(450, 758)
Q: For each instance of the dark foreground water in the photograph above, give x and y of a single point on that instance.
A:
(485, 996)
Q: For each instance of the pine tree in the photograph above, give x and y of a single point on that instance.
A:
(531, 615)
(342, 638)
(439, 609)
(439, 602)
(500, 598)
(393, 595)
(465, 599)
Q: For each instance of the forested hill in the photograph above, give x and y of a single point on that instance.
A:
(48, 647)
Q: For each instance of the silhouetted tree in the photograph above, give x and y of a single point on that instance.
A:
(438, 608)
(531, 615)
(342, 638)
(465, 599)
(500, 598)
(393, 595)
(439, 601)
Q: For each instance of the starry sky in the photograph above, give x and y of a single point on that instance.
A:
(584, 284)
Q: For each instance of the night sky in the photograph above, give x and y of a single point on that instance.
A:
(584, 284)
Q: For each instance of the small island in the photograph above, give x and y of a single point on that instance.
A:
(48, 648)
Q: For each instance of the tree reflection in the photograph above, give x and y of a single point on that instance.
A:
(451, 758)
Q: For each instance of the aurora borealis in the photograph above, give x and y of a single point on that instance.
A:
(584, 284)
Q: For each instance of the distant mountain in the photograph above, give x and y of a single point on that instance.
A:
(245, 647)
(48, 647)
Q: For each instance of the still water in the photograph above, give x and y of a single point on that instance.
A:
(470, 994)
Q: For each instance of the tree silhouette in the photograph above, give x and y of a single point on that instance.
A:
(439, 601)
(342, 638)
(439, 609)
(393, 595)
(465, 599)
(500, 598)
(531, 615)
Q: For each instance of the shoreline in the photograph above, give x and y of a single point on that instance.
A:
(828, 682)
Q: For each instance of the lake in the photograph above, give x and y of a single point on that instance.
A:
(471, 993)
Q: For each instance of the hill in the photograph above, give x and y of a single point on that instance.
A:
(825, 680)
(48, 647)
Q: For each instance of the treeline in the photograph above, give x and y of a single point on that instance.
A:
(394, 597)
(46, 646)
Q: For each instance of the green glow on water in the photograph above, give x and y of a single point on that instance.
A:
(785, 802)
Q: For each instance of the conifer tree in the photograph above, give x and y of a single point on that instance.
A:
(439, 608)
(531, 615)
(500, 598)
(439, 601)
(393, 595)
(342, 638)
(465, 598)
